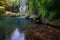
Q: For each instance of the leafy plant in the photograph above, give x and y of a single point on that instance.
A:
(52, 15)
(45, 8)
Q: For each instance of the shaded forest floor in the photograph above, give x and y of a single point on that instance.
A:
(42, 32)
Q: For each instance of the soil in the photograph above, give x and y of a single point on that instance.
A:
(42, 32)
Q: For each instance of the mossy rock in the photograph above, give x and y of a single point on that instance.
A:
(2, 8)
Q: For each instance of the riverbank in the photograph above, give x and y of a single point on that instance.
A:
(42, 32)
(10, 14)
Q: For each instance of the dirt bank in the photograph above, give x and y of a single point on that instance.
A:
(42, 32)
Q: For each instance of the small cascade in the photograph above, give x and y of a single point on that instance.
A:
(22, 8)
(17, 35)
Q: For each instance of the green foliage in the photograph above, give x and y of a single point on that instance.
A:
(29, 8)
(45, 8)
(52, 15)
(16, 3)
(10, 3)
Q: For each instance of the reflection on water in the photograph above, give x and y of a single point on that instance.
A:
(17, 35)
(11, 25)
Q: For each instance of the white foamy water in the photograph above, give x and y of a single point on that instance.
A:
(17, 35)
(21, 17)
(22, 8)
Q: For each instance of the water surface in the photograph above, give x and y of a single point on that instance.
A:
(13, 27)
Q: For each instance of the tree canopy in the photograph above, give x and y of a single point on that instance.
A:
(45, 8)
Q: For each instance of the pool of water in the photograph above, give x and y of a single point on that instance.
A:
(12, 28)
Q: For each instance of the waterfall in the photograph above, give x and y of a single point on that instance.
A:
(22, 8)
(17, 35)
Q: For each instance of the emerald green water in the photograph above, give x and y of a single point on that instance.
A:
(9, 24)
